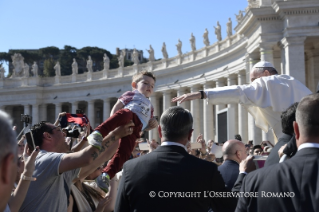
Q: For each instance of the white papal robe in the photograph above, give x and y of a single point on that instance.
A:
(265, 98)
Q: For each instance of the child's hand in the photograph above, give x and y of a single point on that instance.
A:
(152, 123)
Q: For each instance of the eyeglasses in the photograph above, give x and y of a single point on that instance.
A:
(21, 145)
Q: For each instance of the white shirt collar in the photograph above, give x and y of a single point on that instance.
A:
(308, 145)
(171, 143)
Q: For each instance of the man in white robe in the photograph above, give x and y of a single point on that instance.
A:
(268, 95)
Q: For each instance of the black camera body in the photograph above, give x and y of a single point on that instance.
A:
(73, 133)
(26, 118)
(79, 111)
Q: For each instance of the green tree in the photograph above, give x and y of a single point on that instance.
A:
(50, 52)
(96, 56)
(66, 59)
(48, 67)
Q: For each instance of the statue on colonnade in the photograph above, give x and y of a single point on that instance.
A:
(206, 39)
(89, 64)
(165, 55)
(57, 69)
(75, 68)
(35, 69)
(179, 47)
(121, 58)
(218, 31)
(192, 40)
(18, 64)
(26, 69)
(151, 54)
(135, 57)
(2, 71)
(229, 28)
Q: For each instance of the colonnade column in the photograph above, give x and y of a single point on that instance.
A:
(35, 114)
(27, 109)
(195, 110)
(266, 52)
(254, 133)
(167, 97)
(231, 80)
(91, 113)
(43, 112)
(153, 134)
(294, 50)
(208, 116)
(242, 112)
(106, 109)
(27, 112)
(58, 108)
(75, 106)
(220, 83)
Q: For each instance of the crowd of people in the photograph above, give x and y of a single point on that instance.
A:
(106, 168)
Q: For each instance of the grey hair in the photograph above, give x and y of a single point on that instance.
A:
(7, 136)
(260, 70)
(176, 123)
(307, 115)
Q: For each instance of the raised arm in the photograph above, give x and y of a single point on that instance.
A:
(118, 106)
(20, 192)
(56, 123)
(89, 154)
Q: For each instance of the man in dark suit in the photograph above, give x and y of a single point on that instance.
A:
(293, 184)
(287, 119)
(234, 152)
(169, 179)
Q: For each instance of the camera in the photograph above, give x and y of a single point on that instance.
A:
(72, 133)
(26, 118)
(79, 111)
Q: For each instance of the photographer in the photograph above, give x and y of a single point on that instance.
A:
(55, 171)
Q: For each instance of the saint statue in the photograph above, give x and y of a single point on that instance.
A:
(165, 55)
(151, 54)
(229, 28)
(218, 31)
(106, 62)
(206, 39)
(75, 67)
(26, 69)
(135, 57)
(89, 64)
(57, 69)
(2, 71)
(179, 47)
(240, 16)
(35, 69)
(192, 40)
(121, 58)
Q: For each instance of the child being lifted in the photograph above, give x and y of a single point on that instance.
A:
(132, 105)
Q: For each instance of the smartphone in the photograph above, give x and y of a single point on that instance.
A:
(143, 146)
(196, 145)
(30, 140)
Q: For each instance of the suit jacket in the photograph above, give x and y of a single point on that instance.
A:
(229, 171)
(148, 180)
(273, 157)
(288, 186)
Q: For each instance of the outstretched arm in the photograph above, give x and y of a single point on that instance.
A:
(188, 97)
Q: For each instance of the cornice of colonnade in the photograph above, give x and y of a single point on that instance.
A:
(48, 83)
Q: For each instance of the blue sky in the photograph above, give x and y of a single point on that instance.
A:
(108, 24)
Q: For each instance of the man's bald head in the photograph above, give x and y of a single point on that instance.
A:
(234, 150)
(307, 117)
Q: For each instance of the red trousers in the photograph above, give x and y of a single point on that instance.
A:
(127, 143)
